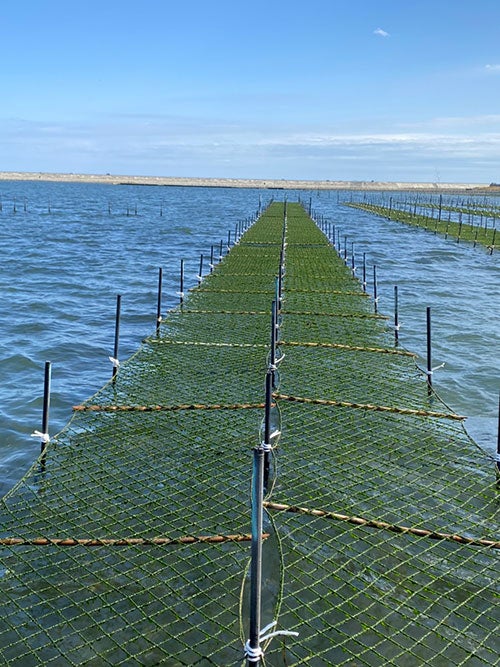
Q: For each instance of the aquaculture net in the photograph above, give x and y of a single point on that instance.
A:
(127, 542)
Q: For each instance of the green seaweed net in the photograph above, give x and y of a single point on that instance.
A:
(438, 223)
(127, 542)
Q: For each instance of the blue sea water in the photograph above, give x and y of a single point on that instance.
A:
(68, 249)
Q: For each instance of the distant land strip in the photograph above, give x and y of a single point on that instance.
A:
(260, 183)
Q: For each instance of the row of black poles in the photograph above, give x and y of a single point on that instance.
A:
(240, 228)
(261, 474)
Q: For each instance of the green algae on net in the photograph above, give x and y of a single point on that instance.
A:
(144, 462)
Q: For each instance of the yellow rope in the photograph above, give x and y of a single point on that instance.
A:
(354, 348)
(123, 542)
(165, 408)
(370, 316)
(383, 525)
(166, 341)
(368, 406)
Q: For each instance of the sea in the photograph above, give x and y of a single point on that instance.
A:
(67, 250)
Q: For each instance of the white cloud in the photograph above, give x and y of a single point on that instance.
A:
(380, 32)
(492, 68)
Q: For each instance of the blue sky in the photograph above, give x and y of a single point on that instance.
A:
(318, 89)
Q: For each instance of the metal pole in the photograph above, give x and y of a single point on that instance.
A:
(46, 405)
(256, 555)
(158, 306)
(375, 296)
(272, 353)
(200, 274)
(396, 317)
(429, 352)
(266, 446)
(117, 334)
(364, 272)
(211, 259)
(181, 292)
(498, 442)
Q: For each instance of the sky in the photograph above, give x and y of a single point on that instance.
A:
(384, 90)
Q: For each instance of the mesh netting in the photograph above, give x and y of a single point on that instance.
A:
(438, 223)
(127, 542)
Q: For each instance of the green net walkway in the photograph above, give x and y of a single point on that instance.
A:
(127, 542)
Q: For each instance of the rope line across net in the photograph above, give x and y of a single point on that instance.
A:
(381, 533)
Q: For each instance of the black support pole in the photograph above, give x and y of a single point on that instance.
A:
(46, 405)
(158, 303)
(181, 284)
(117, 335)
(429, 352)
(253, 644)
(396, 317)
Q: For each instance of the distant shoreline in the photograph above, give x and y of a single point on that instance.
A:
(268, 184)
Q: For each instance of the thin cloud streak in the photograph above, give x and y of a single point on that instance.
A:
(380, 32)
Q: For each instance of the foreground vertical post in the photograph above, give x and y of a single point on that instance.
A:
(429, 352)
(158, 304)
(266, 445)
(375, 295)
(252, 647)
(114, 360)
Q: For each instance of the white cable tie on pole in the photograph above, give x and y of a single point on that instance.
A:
(275, 434)
(397, 327)
(430, 371)
(253, 654)
(181, 294)
(115, 362)
(44, 437)
(266, 446)
(278, 361)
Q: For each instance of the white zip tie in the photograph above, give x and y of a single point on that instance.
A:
(199, 277)
(266, 446)
(278, 361)
(181, 294)
(115, 362)
(44, 437)
(275, 434)
(397, 327)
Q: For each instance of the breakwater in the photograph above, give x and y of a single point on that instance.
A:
(164, 451)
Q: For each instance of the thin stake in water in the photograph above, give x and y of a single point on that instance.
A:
(429, 352)
(181, 285)
(158, 305)
(117, 335)
(46, 404)
(396, 317)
